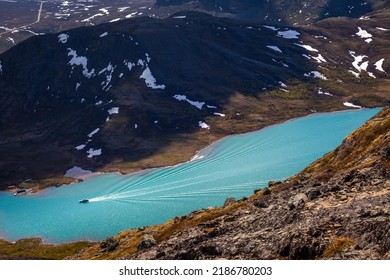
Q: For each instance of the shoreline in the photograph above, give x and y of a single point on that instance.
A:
(146, 170)
(37, 190)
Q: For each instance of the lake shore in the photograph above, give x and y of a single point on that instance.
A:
(167, 158)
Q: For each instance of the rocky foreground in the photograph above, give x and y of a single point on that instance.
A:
(337, 208)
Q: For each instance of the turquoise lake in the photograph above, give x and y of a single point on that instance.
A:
(232, 167)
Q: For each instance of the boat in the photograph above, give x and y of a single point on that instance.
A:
(84, 200)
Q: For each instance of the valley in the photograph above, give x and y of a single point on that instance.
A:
(126, 86)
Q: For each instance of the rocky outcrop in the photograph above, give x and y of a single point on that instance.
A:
(108, 245)
(147, 242)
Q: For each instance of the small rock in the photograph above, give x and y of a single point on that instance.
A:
(266, 191)
(260, 204)
(211, 250)
(229, 201)
(298, 201)
(313, 194)
(108, 245)
(147, 242)
(230, 218)
(343, 197)
(160, 255)
(274, 183)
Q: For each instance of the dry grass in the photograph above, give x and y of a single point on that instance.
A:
(33, 248)
(338, 245)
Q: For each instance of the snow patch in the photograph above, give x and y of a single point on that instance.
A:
(63, 38)
(315, 74)
(150, 81)
(275, 48)
(129, 65)
(378, 65)
(11, 40)
(92, 17)
(104, 10)
(363, 34)
(1, 69)
(179, 17)
(203, 125)
(354, 73)
(77, 172)
(282, 84)
(319, 58)
(271, 27)
(131, 15)
(110, 70)
(348, 104)
(141, 62)
(359, 65)
(197, 104)
(219, 114)
(307, 47)
(321, 92)
(92, 153)
(82, 61)
(122, 9)
(113, 110)
(103, 34)
(357, 61)
(80, 147)
(93, 132)
(289, 34)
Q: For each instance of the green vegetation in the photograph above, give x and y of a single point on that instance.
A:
(34, 248)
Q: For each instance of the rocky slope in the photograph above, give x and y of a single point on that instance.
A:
(337, 208)
(111, 98)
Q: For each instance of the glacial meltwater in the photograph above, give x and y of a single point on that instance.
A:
(232, 167)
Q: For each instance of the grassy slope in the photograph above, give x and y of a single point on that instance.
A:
(33, 248)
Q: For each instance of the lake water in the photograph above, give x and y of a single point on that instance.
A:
(233, 167)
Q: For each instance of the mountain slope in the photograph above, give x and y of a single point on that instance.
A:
(280, 11)
(25, 18)
(337, 208)
(130, 94)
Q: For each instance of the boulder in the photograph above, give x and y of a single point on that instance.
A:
(298, 201)
(109, 244)
(274, 183)
(229, 201)
(147, 242)
(266, 191)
